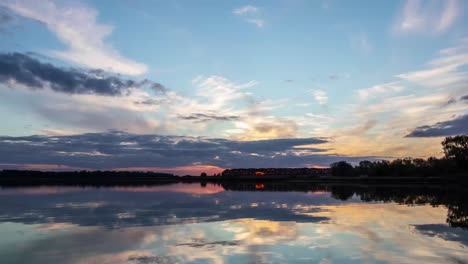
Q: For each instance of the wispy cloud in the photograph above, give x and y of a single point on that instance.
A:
(250, 14)
(260, 23)
(245, 10)
(446, 69)
(77, 27)
(380, 90)
(320, 96)
(427, 16)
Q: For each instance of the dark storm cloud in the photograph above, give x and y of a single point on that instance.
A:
(200, 117)
(452, 127)
(29, 71)
(116, 149)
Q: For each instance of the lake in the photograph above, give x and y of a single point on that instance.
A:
(234, 223)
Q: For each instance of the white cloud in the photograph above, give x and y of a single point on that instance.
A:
(447, 69)
(77, 27)
(449, 15)
(245, 10)
(259, 23)
(320, 96)
(380, 90)
(427, 16)
(250, 14)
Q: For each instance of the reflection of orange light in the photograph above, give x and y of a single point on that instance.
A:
(259, 186)
(259, 173)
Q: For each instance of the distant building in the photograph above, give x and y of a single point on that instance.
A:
(296, 173)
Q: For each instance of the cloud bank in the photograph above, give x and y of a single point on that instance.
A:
(116, 149)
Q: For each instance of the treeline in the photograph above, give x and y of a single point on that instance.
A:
(454, 162)
(13, 177)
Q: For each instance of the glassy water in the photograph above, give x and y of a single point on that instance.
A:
(233, 223)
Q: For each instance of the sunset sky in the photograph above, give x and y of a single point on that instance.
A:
(191, 86)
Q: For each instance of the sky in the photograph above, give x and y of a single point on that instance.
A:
(191, 86)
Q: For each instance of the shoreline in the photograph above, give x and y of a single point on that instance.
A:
(35, 181)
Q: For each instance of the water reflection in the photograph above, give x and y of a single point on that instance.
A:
(233, 223)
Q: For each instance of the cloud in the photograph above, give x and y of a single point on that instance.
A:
(264, 127)
(116, 149)
(427, 16)
(380, 90)
(259, 23)
(18, 68)
(5, 17)
(447, 69)
(200, 117)
(320, 96)
(245, 10)
(464, 97)
(77, 27)
(250, 14)
(452, 127)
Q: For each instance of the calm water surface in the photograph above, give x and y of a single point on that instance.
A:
(234, 223)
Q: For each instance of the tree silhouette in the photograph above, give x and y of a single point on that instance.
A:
(342, 168)
(456, 148)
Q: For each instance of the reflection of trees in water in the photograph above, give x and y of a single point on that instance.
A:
(454, 198)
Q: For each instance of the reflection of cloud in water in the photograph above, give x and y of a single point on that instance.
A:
(41, 190)
(261, 232)
(117, 209)
(180, 188)
(382, 232)
(161, 226)
(445, 232)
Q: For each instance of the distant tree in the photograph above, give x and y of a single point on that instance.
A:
(456, 148)
(365, 167)
(342, 168)
(203, 175)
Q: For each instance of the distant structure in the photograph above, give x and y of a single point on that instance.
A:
(294, 173)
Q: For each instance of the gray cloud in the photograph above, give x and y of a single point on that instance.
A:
(5, 17)
(29, 71)
(452, 127)
(201, 117)
(464, 97)
(115, 149)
